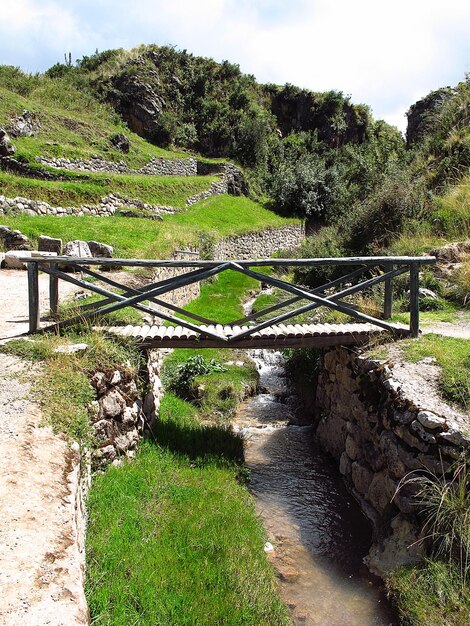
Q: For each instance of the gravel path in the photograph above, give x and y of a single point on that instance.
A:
(41, 567)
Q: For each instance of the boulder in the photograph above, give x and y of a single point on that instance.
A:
(6, 147)
(49, 244)
(100, 250)
(77, 248)
(121, 142)
(24, 125)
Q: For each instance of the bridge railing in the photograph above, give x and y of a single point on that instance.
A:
(360, 275)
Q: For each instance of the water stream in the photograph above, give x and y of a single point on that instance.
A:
(317, 533)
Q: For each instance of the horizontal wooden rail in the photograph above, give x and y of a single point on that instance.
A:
(364, 273)
(369, 261)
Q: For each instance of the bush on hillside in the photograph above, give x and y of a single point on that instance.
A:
(305, 187)
(325, 243)
(374, 223)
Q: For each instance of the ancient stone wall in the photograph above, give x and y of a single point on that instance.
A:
(106, 207)
(157, 166)
(183, 295)
(260, 244)
(378, 434)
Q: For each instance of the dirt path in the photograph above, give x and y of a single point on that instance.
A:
(41, 566)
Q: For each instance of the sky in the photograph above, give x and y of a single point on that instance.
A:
(383, 53)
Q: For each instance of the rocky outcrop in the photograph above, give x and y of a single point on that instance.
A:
(331, 115)
(24, 125)
(13, 239)
(7, 149)
(121, 142)
(139, 105)
(419, 113)
(378, 432)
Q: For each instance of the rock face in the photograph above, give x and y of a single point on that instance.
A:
(418, 114)
(6, 147)
(301, 110)
(139, 105)
(24, 125)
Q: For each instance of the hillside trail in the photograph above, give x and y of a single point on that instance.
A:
(41, 566)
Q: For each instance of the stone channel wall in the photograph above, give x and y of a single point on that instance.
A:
(260, 244)
(378, 434)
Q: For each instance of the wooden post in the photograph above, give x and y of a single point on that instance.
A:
(53, 292)
(388, 294)
(414, 299)
(33, 296)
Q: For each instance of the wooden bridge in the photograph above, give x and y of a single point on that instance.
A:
(187, 329)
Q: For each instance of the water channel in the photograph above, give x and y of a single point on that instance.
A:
(317, 533)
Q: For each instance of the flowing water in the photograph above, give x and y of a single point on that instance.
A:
(317, 533)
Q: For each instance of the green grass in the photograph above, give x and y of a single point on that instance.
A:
(221, 298)
(221, 216)
(430, 595)
(89, 189)
(449, 220)
(173, 537)
(453, 356)
(173, 541)
(449, 313)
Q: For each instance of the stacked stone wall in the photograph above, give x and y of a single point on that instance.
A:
(378, 435)
(106, 207)
(157, 166)
(260, 244)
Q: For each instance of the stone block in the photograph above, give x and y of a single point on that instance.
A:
(12, 262)
(381, 491)
(49, 244)
(389, 447)
(361, 477)
(100, 250)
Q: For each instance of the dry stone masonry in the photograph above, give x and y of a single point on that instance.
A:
(260, 244)
(378, 433)
(157, 166)
(107, 207)
(118, 420)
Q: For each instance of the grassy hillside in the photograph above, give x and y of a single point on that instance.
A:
(74, 124)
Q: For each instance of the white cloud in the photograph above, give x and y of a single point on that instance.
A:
(384, 53)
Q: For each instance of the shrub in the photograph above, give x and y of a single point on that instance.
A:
(184, 375)
(376, 222)
(325, 243)
(303, 187)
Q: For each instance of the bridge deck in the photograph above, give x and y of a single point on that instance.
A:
(277, 336)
